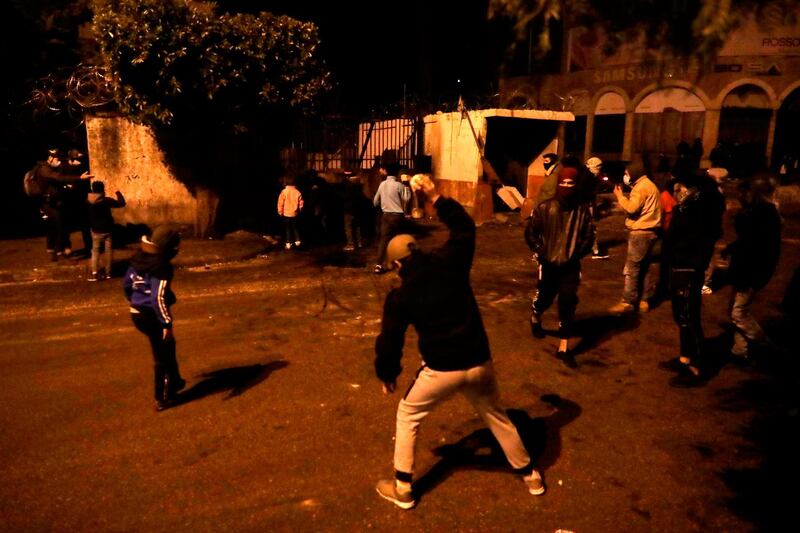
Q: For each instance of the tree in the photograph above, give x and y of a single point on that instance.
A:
(172, 60)
(687, 27)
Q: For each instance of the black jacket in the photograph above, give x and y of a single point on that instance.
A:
(695, 226)
(560, 232)
(754, 254)
(436, 298)
(100, 205)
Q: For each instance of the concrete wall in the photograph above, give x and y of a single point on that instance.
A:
(127, 158)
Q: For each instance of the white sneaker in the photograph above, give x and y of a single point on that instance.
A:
(534, 483)
(706, 290)
(288, 246)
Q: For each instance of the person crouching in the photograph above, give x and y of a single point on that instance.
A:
(147, 288)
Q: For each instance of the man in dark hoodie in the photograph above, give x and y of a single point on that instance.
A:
(694, 227)
(754, 257)
(560, 232)
(147, 288)
(435, 297)
(101, 224)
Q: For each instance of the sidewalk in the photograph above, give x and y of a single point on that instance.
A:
(25, 260)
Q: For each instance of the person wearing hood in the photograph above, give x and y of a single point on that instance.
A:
(590, 185)
(147, 287)
(551, 170)
(691, 234)
(643, 221)
(101, 224)
(435, 297)
(560, 232)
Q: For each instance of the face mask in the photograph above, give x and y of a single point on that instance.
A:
(626, 179)
(548, 164)
(681, 194)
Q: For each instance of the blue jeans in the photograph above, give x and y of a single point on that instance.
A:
(101, 240)
(639, 283)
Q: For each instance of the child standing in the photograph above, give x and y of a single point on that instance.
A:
(101, 224)
(290, 203)
(147, 288)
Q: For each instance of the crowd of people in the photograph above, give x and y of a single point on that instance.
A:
(682, 215)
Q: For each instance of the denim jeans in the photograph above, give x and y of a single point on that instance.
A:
(639, 283)
(430, 388)
(747, 329)
(104, 240)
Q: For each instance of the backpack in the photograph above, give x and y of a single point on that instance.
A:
(31, 184)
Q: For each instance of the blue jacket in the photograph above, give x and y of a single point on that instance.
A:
(147, 286)
(392, 196)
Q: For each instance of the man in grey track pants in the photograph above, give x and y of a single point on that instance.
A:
(435, 297)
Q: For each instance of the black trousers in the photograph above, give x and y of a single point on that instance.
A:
(391, 223)
(685, 291)
(165, 364)
(562, 281)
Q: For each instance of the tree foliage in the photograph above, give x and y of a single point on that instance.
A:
(687, 27)
(179, 60)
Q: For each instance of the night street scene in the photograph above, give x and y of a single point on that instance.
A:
(487, 265)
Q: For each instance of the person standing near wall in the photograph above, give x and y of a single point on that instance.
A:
(101, 224)
(290, 203)
(391, 198)
(435, 297)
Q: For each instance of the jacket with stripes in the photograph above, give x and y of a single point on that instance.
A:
(148, 290)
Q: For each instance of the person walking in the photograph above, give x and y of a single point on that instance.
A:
(753, 259)
(560, 232)
(392, 197)
(643, 210)
(101, 225)
(353, 201)
(290, 203)
(436, 298)
(147, 286)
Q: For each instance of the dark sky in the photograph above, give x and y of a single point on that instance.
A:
(373, 48)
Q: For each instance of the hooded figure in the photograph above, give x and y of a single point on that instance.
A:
(101, 225)
(147, 288)
(560, 232)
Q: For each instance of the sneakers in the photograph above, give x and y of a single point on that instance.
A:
(287, 246)
(536, 326)
(621, 308)
(95, 277)
(534, 483)
(378, 269)
(387, 489)
(706, 290)
(349, 248)
(599, 255)
(644, 306)
(673, 365)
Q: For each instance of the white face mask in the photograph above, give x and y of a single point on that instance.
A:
(626, 179)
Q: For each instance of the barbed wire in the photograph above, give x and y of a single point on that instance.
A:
(72, 92)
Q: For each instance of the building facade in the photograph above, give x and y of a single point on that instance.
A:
(634, 101)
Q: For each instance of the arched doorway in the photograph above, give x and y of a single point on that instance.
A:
(608, 135)
(666, 117)
(744, 127)
(786, 149)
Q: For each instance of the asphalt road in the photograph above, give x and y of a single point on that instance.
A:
(284, 427)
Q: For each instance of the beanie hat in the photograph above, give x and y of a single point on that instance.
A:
(594, 164)
(163, 240)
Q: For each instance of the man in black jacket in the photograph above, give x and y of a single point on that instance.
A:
(101, 224)
(560, 232)
(435, 297)
(695, 226)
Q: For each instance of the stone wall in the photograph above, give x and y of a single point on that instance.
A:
(127, 158)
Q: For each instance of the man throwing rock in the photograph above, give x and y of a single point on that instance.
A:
(435, 297)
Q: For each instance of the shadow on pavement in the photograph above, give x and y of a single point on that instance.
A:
(765, 486)
(595, 330)
(237, 380)
(480, 450)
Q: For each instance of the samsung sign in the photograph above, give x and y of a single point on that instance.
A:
(781, 42)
